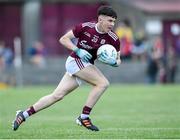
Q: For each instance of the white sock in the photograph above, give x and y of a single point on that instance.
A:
(84, 116)
(26, 115)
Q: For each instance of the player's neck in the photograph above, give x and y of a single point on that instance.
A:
(99, 29)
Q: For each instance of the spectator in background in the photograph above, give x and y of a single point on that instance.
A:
(2, 62)
(152, 67)
(6, 56)
(125, 34)
(171, 62)
(6, 61)
(155, 62)
(159, 56)
(36, 53)
(177, 46)
(140, 47)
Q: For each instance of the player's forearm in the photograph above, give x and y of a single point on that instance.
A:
(65, 41)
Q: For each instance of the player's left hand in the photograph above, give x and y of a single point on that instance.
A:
(108, 60)
(83, 54)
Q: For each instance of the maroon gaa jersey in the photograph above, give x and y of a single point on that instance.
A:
(90, 39)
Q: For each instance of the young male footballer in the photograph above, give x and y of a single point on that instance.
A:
(80, 66)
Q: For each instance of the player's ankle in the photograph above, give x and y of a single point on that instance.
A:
(25, 114)
(85, 112)
(84, 116)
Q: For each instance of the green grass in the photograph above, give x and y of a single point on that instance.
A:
(124, 111)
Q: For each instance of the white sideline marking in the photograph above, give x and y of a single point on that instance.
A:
(147, 129)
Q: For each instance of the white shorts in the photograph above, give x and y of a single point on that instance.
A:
(73, 65)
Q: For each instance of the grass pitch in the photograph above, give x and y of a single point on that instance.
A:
(124, 111)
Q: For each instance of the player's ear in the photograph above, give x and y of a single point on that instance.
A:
(99, 18)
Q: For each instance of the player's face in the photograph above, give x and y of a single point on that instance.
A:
(106, 23)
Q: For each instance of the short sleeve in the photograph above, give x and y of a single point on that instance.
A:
(117, 45)
(77, 30)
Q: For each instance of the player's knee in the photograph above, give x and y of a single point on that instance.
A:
(57, 97)
(104, 84)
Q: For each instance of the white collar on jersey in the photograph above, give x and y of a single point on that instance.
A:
(98, 30)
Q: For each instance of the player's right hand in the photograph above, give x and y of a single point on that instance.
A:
(108, 60)
(83, 54)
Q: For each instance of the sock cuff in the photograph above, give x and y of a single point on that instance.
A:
(86, 110)
(31, 111)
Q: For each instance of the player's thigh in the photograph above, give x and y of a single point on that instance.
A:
(67, 84)
(92, 75)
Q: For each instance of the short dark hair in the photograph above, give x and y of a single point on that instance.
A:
(107, 11)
